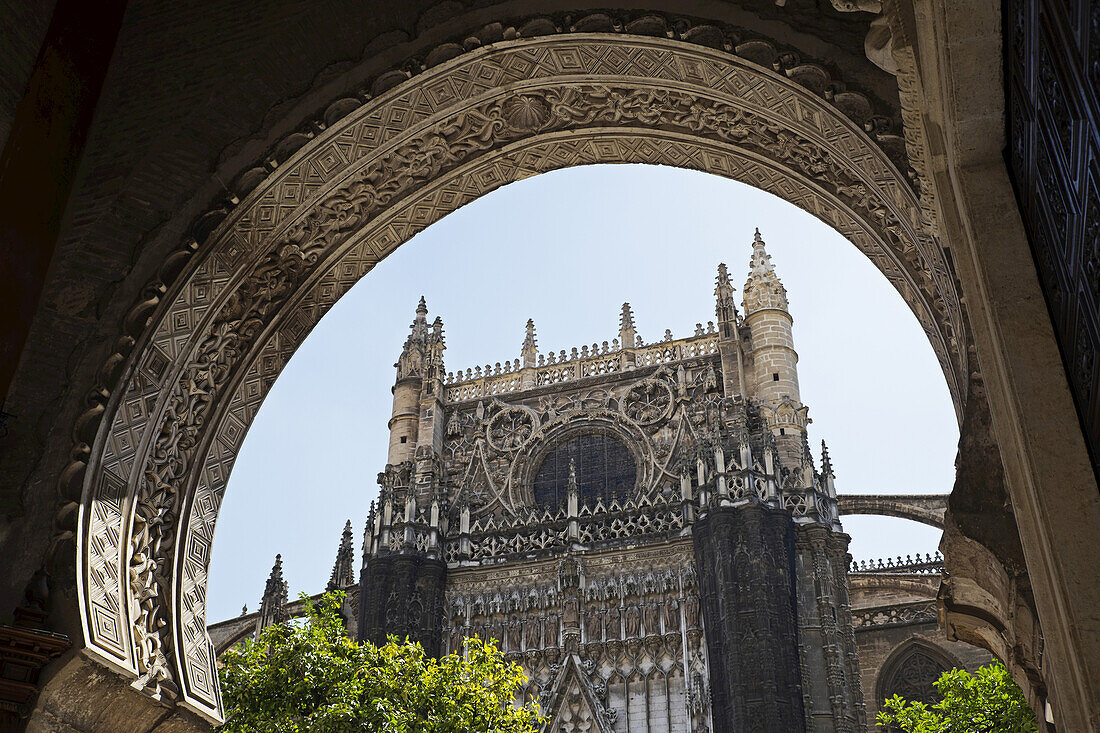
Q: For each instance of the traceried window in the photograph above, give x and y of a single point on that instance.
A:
(913, 678)
(605, 469)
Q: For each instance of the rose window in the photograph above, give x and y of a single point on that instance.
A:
(510, 429)
(605, 469)
(647, 402)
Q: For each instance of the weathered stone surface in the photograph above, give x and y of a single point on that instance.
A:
(747, 587)
(170, 133)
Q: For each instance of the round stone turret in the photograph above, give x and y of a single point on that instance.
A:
(773, 377)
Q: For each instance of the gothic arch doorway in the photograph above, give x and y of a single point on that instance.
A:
(215, 332)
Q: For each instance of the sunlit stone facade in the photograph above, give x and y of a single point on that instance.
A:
(640, 525)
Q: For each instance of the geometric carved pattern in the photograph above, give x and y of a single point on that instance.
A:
(1052, 52)
(325, 217)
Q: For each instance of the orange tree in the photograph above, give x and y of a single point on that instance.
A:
(988, 701)
(311, 677)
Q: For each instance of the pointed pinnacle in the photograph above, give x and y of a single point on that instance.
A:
(627, 317)
(421, 309)
(530, 340)
(826, 462)
(572, 485)
(722, 285)
(275, 581)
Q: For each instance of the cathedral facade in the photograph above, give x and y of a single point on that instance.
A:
(641, 526)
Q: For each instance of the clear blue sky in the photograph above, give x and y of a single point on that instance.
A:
(567, 249)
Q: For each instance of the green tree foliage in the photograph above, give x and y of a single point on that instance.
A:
(312, 677)
(988, 701)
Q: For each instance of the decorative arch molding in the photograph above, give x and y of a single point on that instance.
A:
(210, 346)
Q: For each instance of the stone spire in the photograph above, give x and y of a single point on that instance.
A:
(826, 462)
(724, 307)
(414, 353)
(273, 603)
(343, 571)
(763, 288)
(530, 349)
(436, 344)
(627, 333)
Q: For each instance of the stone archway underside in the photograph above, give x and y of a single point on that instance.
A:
(249, 296)
(924, 508)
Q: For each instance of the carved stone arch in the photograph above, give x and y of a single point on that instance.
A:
(926, 655)
(573, 425)
(246, 298)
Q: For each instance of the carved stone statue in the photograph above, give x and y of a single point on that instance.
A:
(570, 612)
(633, 622)
(691, 612)
(650, 619)
(531, 632)
(594, 626)
(550, 632)
(613, 631)
(672, 615)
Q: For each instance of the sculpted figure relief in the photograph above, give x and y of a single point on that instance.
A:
(550, 631)
(594, 626)
(691, 612)
(633, 622)
(672, 614)
(650, 618)
(531, 636)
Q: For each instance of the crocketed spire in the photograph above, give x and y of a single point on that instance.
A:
(273, 603)
(343, 571)
(627, 332)
(763, 288)
(530, 349)
(415, 352)
(724, 306)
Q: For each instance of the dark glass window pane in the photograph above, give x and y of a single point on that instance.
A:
(605, 469)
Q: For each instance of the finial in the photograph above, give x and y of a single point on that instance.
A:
(273, 603)
(627, 332)
(826, 463)
(343, 572)
(276, 588)
(626, 320)
(244, 610)
(422, 308)
(724, 306)
(763, 288)
(530, 349)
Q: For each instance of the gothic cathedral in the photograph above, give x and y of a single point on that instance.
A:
(641, 526)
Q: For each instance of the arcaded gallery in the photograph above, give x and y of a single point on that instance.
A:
(813, 279)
